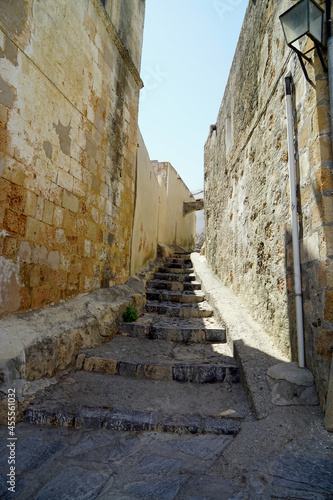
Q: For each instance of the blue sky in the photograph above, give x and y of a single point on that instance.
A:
(187, 54)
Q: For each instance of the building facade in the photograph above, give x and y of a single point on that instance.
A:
(158, 214)
(69, 90)
(247, 196)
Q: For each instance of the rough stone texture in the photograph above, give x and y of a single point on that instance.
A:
(252, 347)
(272, 458)
(43, 343)
(161, 360)
(98, 393)
(67, 177)
(247, 201)
(291, 373)
(158, 217)
(329, 406)
(173, 227)
(291, 385)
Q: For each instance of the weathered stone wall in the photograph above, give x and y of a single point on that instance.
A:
(144, 239)
(174, 228)
(200, 221)
(69, 91)
(158, 216)
(247, 198)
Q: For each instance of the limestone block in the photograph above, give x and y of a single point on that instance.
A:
(95, 364)
(291, 385)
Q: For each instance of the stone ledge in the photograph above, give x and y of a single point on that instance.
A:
(43, 343)
(59, 415)
(252, 347)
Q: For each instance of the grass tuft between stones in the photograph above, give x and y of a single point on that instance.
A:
(130, 314)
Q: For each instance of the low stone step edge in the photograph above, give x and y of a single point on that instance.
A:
(174, 333)
(198, 374)
(178, 311)
(128, 420)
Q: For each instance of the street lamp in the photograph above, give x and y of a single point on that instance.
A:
(304, 21)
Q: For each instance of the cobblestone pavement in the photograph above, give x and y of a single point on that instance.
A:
(287, 455)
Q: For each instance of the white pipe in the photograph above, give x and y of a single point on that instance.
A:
(330, 78)
(294, 227)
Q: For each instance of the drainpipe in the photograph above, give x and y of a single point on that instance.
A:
(330, 60)
(294, 225)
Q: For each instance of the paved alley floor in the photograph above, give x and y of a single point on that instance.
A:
(171, 371)
(287, 455)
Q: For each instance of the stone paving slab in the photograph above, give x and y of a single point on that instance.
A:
(287, 455)
(104, 464)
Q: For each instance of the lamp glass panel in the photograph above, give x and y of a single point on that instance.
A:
(316, 25)
(304, 44)
(295, 21)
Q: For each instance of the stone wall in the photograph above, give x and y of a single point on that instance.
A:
(69, 90)
(200, 221)
(247, 198)
(158, 216)
(174, 228)
(144, 239)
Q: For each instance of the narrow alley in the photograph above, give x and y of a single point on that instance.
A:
(159, 413)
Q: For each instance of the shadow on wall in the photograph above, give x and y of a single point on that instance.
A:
(291, 304)
(289, 260)
(253, 364)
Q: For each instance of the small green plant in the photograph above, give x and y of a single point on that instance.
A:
(130, 314)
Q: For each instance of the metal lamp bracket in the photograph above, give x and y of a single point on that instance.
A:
(302, 56)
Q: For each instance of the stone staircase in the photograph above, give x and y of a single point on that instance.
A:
(171, 370)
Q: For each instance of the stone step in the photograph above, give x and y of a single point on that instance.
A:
(87, 400)
(173, 286)
(179, 297)
(182, 278)
(200, 310)
(179, 260)
(161, 360)
(183, 255)
(179, 265)
(175, 270)
(174, 333)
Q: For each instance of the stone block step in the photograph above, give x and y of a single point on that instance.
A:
(185, 334)
(179, 265)
(183, 255)
(115, 419)
(179, 260)
(175, 270)
(182, 278)
(173, 286)
(161, 360)
(200, 310)
(179, 297)
(94, 400)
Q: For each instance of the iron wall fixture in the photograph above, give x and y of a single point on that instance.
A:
(303, 28)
